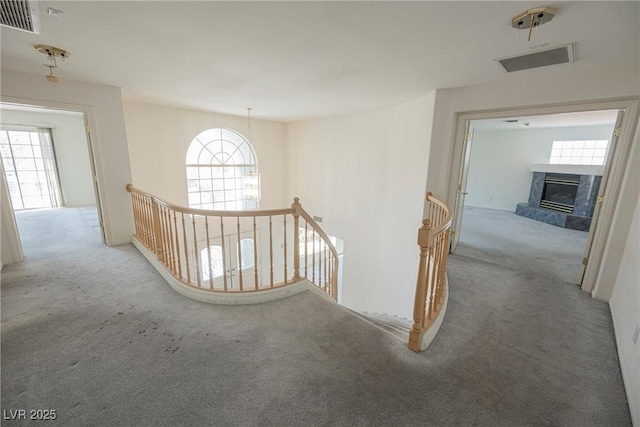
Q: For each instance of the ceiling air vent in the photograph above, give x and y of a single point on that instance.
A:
(22, 15)
(539, 58)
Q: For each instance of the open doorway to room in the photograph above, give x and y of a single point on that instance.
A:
(48, 170)
(530, 187)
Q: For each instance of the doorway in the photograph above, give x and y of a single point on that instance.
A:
(620, 138)
(48, 166)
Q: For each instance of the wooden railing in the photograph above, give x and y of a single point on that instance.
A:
(433, 239)
(236, 251)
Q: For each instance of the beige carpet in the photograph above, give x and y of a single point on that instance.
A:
(94, 333)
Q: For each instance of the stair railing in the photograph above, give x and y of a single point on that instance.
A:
(236, 251)
(431, 287)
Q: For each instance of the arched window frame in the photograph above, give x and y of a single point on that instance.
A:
(216, 162)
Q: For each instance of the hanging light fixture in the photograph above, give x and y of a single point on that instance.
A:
(52, 53)
(250, 180)
(533, 18)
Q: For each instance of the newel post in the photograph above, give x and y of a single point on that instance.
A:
(297, 208)
(419, 303)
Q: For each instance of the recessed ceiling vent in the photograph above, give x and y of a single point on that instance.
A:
(539, 58)
(22, 15)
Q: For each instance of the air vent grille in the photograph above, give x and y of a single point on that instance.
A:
(22, 15)
(540, 58)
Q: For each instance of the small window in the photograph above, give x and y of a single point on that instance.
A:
(590, 152)
(218, 160)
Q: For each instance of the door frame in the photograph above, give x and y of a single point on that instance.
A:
(618, 164)
(94, 159)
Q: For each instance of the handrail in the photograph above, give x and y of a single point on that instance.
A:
(235, 251)
(431, 287)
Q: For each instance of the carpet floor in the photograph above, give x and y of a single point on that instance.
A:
(94, 333)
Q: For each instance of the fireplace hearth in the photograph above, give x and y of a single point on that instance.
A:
(564, 200)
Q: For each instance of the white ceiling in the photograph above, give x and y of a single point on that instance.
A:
(295, 60)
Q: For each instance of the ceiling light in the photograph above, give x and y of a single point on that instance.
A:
(250, 180)
(533, 18)
(52, 53)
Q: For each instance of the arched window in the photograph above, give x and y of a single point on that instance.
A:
(217, 162)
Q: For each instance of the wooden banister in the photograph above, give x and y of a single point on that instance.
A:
(433, 240)
(184, 240)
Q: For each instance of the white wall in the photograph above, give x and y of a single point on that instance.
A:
(500, 167)
(364, 175)
(72, 153)
(159, 137)
(625, 310)
(105, 112)
(547, 87)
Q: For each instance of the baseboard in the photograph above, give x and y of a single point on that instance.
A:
(220, 297)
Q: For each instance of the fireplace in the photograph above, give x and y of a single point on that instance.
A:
(561, 199)
(559, 192)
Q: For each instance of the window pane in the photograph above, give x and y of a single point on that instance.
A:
(25, 164)
(598, 160)
(578, 144)
(599, 152)
(22, 151)
(602, 144)
(19, 137)
(589, 144)
(194, 199)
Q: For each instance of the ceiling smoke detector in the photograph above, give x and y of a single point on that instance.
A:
(20, 14)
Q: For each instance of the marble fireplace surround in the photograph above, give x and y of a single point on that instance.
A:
(585, 202)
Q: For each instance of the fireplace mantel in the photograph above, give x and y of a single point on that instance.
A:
(570, 169)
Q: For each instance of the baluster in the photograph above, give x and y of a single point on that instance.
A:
(296, 238)
(177, 245)
(326, 264)
(168, 237)
(147, 220)
(239, 250)
(306, 255)
(136, 218)
(285, 248)
(172, 249)
(165, 240)
(186, 249)
(157, 231)
(206, 225)
(270, 251)
(313, 256)
(320, 270)
(196, 254)
(255, 254)
(143, 206)
(224, 253)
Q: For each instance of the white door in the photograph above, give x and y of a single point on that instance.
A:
(229, 264)
(461, 189)
(603, 184)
